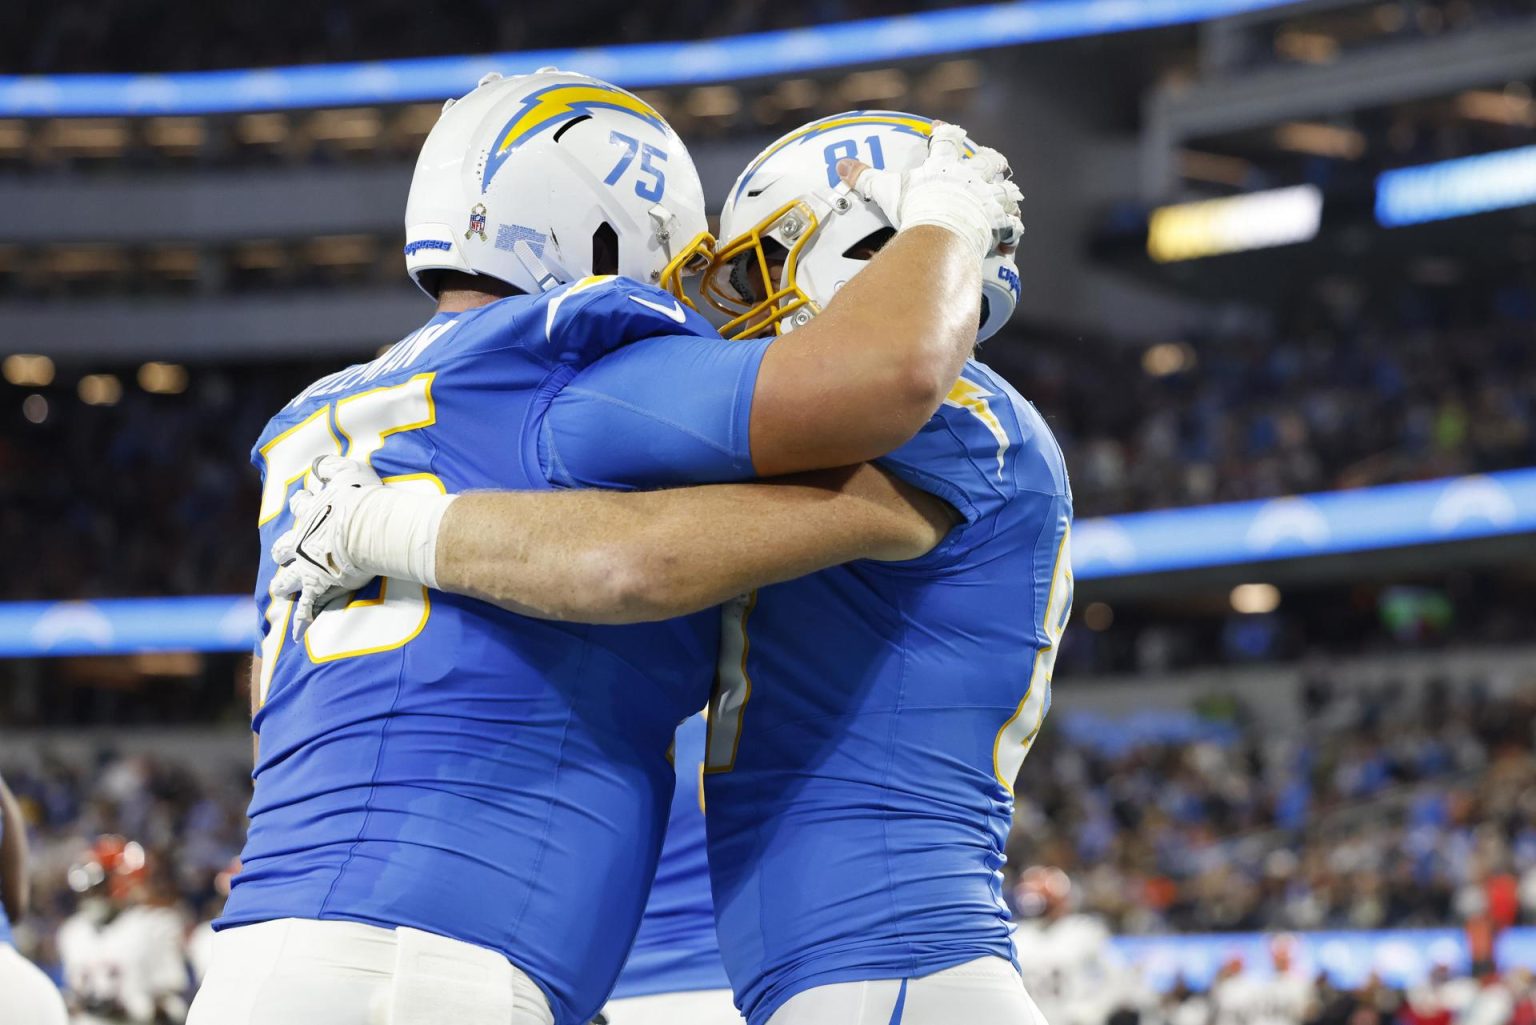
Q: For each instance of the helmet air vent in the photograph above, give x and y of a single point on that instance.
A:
(605, 249)
(572, 123)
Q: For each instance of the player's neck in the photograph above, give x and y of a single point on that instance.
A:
(457, 300)
(457, 291)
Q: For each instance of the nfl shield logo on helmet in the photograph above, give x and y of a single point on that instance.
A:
(476, 221)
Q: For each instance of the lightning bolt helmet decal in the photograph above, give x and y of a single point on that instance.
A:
(556, 105)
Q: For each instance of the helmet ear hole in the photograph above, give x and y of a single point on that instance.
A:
(605, 249)
(866, 247)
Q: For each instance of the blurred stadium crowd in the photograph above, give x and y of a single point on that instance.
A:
(1382, 810)
(1345, 397)
(166, 508)
(1385, 806)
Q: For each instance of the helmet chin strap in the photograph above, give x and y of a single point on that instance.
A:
(662, 223)
(536, 268)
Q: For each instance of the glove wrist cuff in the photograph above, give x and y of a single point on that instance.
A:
(393, 533)
(954, 209)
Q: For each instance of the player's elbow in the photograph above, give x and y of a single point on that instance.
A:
(618, 584)
(922, 388)
(908, 396)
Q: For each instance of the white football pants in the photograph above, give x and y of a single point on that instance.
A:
(27, 996)
(703, 1007)
(987, 991)
(296, 971)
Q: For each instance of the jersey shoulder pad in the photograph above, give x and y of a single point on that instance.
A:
(983, 448)
(593, 316)
(984, 443)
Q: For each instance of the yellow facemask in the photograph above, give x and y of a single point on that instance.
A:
(795, 221)
(694, 258)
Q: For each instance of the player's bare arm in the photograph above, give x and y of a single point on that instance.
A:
(863, 377)
(609, 557)
(599, 556)
(14, 896)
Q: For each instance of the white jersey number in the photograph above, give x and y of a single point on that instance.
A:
(733, 686)
(364, 421)
(1018, 733)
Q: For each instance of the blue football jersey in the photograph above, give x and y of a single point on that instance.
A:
(869, 720)
(432, 761)
(676, 950)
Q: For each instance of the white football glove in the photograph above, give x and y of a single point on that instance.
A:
(312, 554)
(972, 198)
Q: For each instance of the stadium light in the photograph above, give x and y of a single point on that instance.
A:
(28, 371)
(163, 378)
(1216, 168)
(35, 408)
(1320, 140)
(1506, 107)
(100, 389)
(1098, 616)
(1258, 220)
(872, 88)
(1307, 47)
(1255, 599)
(1456, 188)
(1168, 358)
(713, 101)
(13, 137)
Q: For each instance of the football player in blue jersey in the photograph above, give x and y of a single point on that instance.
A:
(868, 720)
(674, 975)
(458, 810)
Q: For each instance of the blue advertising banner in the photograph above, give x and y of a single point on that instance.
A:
(1456, 188)
(760, 55)
(1401, 957)
(1452, 509)
(1330, 523)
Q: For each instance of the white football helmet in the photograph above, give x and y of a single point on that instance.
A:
(524, 177)
(789, 207)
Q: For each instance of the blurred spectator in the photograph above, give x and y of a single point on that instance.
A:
(154, 495)
(1346, 393)
(1385, 809)
(123, 950)
(1069, 967)
(186, 824)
